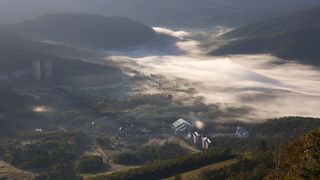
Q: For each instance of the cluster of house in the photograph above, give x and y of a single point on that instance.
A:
(185, 129)
(188, 131)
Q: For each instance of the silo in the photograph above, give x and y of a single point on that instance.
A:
(36, 71)
(47, 71)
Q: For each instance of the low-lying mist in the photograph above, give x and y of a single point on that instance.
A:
(269, 86)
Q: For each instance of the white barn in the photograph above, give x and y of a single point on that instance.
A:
(181, 126)
(206, 143)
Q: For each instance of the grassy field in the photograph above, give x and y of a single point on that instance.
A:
(115, 168)
(9, 172)
(187, 146)
(194, 175)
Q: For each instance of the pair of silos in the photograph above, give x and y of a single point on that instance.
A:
(42, 72)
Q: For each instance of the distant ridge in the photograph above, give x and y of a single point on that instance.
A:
(84, 30)
(295, 37)
(303, 19)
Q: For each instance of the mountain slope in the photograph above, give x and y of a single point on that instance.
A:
(300, 44)
(299, 159)
(302, 19)
(15, 60)
(190, 13)
(84, 30)
(292, 37)
(17, 53)
(14, 40)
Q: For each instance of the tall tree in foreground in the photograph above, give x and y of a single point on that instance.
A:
(299, 159)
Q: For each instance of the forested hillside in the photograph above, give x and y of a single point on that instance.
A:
(303, 19)
(281, 143)
(295, 37)
(298, 159)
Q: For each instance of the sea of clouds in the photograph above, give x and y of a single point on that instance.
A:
(270, 86)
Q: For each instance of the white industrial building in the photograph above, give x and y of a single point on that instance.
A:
(189, 136)
(206, 143)
(195, 137)
(181, 126)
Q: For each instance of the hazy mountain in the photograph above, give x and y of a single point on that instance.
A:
(84, 30)
(292, 37)
(159, 12)
(302, 19)
(14, 40)
(16, 64)
(11, 104)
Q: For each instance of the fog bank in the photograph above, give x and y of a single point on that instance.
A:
(268, 85)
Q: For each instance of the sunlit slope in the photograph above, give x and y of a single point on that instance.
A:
(9, 172)
(195, 174)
